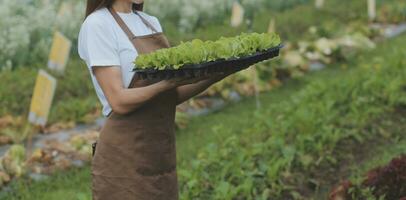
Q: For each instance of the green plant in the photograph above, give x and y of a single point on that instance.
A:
(13, 162)
(287, 139)
(197, 51)
(392, 12)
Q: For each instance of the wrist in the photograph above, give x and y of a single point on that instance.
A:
(167, 84)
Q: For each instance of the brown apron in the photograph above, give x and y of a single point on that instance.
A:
(135, 158)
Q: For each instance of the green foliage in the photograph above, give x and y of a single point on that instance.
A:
(13, 162)
(75, 184)
(75, 87)
(239, 150)
(392, 12)
(17, 152)
(271, 149)
(18, 132)
(298, 134)
(197, 51)
(74, 98)
(16, 90)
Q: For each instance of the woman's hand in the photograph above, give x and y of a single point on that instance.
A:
(177, 82)
(186, 92)
(210, 79)
(124, 100)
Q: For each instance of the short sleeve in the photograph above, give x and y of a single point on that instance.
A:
(156, 24)
(153, 20)
(97, 44)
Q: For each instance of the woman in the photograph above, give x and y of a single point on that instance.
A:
(135, 156)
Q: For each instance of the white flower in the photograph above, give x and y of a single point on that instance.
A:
(294, 59)
(27, 26)
(356, 41)
(325, 46)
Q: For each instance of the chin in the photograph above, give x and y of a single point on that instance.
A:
(138, 1)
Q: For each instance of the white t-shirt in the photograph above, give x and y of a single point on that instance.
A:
(102, 42)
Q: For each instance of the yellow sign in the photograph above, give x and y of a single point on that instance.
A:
(319, 4)
(59, 54)
(271, 27)
(41, 101)
(371, 9)
(237, 16)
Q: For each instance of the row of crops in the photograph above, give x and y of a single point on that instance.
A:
(287, 147)
(325, 37)
(284, 143)
(303, 140)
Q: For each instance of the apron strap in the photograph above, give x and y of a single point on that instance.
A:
(146, 22)
(124, 26)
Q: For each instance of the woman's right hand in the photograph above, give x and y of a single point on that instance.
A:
(180, 81)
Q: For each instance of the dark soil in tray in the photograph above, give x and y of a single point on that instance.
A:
(197, 70)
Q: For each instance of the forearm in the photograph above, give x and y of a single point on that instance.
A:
(127, 100)
(124, 100)
(188, 91)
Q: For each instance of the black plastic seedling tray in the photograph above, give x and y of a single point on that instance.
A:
(197, 70)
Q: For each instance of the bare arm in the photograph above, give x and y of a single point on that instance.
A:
(186, 92)
(123, 100)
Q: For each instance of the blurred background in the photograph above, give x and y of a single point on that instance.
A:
(325, 120)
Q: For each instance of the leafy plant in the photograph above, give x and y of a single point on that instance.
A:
(13, 162)
(197, 51)
(298, 135)
(385, 182)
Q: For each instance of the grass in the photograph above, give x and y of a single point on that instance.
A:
(75, 99)
(240, 120)
(63, 184)
(68, 185)
(287, 142)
